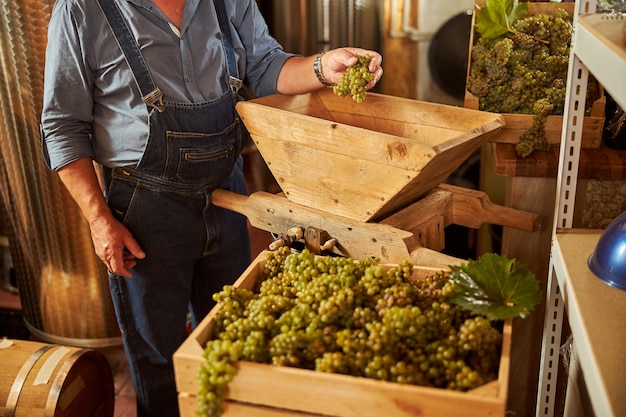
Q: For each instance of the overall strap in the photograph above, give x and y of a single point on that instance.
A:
(234, 82)
(151, 95)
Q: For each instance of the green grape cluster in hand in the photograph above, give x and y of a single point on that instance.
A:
(332, 314)
(354, 80)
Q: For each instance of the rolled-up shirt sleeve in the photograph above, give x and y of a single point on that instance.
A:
(265, 57)
(66, 121)
(92, 107)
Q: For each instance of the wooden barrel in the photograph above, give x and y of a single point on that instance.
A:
(46, 380)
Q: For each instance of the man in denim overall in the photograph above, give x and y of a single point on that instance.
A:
(147, 89)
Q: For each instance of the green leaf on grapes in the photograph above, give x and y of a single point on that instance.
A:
(495, 287)
(496, 17)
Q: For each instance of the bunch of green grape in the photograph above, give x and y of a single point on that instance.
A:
(525, 73)
(332, 314)
(354, 80)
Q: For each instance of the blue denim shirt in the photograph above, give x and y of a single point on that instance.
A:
(92, 107)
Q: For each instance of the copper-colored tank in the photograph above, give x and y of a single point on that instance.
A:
(63, 285)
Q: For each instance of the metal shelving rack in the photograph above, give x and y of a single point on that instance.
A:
(596, 48)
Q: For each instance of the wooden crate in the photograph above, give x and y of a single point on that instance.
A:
(260, 390)
(362, 161)
(518, 124)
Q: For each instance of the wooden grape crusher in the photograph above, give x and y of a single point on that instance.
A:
(366, 180)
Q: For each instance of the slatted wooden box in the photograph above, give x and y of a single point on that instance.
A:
(260, 390)
(517, 124)
(362, 161)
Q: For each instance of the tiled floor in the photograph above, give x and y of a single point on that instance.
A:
(124, 392)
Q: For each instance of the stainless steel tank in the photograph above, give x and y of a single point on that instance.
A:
(63, 285)
(311, 26)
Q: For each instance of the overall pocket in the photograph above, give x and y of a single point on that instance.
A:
(120, 196)
(201, 158)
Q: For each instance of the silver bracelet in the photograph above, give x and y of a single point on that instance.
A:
(317, 68)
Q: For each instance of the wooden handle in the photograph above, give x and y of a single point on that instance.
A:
(425, 257)
(276, 214)
(472, 208)
(229, 200)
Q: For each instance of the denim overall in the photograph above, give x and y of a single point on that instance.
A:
(192, 248)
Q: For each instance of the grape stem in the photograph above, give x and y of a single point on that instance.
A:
(545, 42)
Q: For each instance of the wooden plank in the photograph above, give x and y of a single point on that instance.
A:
(335, 183)
(370, 131)
(537, 164)
(517, 124)
(601, 164)
(428, 258)
(533, 251)
(267, 124)
(346, 396)
(388, 111)
(435, 213)
(187, 406)
(356, 239)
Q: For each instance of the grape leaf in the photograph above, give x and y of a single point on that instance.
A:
(495, 18)
(495, 287)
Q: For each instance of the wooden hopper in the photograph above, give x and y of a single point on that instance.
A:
(362, 161)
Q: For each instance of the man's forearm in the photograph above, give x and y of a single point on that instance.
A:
(297, 76)
(81, 181)
(303, 74)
